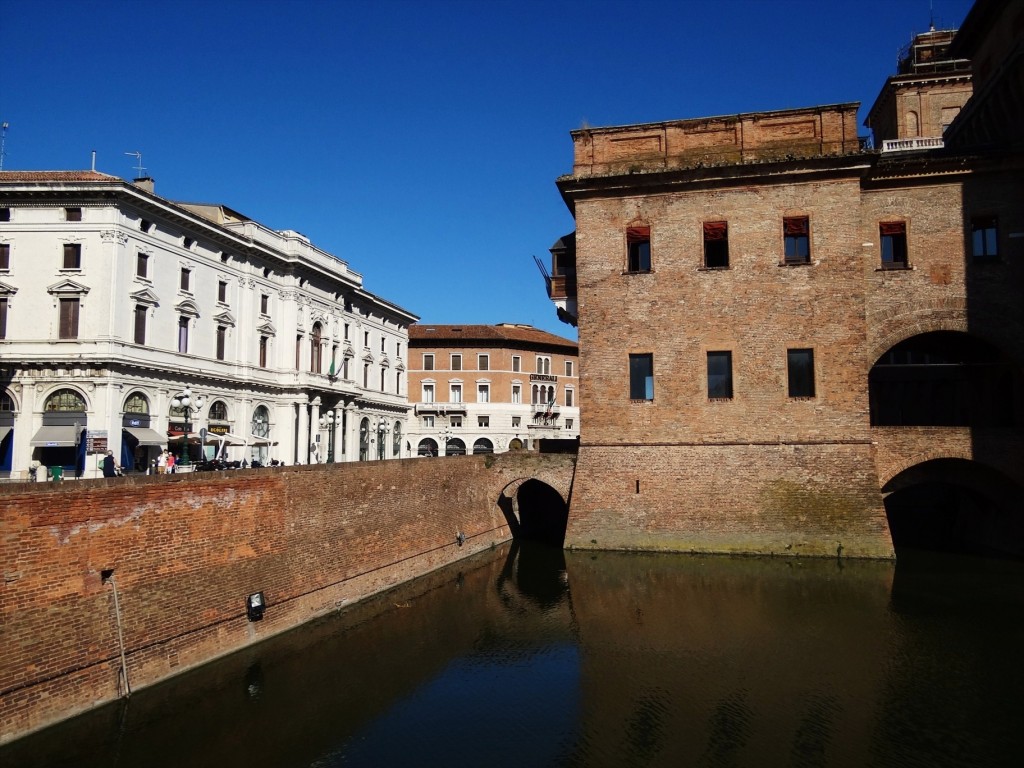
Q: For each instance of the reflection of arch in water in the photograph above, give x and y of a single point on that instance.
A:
(535, 572)
(534, 511)
(955, 505)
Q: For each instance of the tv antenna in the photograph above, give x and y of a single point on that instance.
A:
(139, 169)
(3, 141)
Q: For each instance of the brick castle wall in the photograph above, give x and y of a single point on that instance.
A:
(186, 550)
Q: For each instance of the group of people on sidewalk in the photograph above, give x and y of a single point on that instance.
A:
(164, 464)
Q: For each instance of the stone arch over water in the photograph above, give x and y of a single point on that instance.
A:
(535, 511)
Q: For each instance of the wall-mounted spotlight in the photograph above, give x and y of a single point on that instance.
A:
(255, 604)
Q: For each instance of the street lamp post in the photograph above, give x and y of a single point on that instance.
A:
(382, 431)
(188, 404)
(328, 421)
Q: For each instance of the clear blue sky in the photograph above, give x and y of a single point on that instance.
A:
(417, 140)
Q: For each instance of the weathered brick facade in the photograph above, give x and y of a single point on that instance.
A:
(887, 255)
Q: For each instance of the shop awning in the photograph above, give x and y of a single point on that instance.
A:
(146, 436)
(193, 437)
(55, 437)
(225, 437)
(261, 441)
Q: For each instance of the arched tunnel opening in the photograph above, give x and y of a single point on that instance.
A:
(955, 506)
(542, 513)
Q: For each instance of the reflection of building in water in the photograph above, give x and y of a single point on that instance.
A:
(779, 322)
(114, 300)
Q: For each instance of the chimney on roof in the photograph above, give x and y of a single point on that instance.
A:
(145, 183)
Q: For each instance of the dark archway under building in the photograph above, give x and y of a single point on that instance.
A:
(535, 512)
(956, 506)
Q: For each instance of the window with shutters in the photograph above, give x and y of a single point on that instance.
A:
(72, 255)
(140, 323)
(69, 309)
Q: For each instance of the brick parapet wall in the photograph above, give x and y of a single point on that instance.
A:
(186, 550)
(783, 499)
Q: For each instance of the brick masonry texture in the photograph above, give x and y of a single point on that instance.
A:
(186, 550)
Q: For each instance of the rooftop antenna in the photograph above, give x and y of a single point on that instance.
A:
(140, 170)
(3, 142)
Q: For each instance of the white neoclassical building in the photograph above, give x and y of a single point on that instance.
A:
(114, 302)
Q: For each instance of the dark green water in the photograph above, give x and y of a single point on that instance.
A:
(533, 657)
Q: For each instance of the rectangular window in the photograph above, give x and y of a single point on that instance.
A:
(263, 351)
(69, 318)
(641, 377)
(72, 214)
(517, 364)
(483, 362)
(516, 422)
(638, 249)
(186, 279)
(893, 236)
(517, 393)
(5, 214)
(456, 393)
(568, 423)
(366, 339)
(183, 335)
(428, 362)
(796, 232)
(719, 375)
(483, 393)
(3, 318)
(984, 237)
(142, 265)
(456, 421)
(428, 421)
(716, 244)
(140, 324)
(366, 375)
(72, 255)
(800, 365)
(383, 342)
(298, 353)
(428, 393)
(456, 363)
(5, 255)
(265, 304)
(222, 291)
(346, 331)
(568, 367)
(569, 397)
(222, 336)
(383, 373)
(483, 421)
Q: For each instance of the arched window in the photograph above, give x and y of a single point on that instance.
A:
(364, 440)
(6, 402)
(65, 400)
(454, 447)
(483, 445)
(261, 422)
(427, 447)
(219, 411)
(396, 440)
(136, 403)
(316, 349)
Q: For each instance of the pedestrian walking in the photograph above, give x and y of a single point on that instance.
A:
(171, 461)
(161, 463)
(109, 465)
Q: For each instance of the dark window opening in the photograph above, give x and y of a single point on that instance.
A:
(641, 377)
(984, 237)
(72, 256)
(719, 375)
(942, 379)
(800, 367)
(186, 280)
(222, 292)
(222, 334)
(893, 236)
(72, 214)
(638, 243)
(796, 234)
(69, 309)
(716, 244)
(5, 255)
(140, 324)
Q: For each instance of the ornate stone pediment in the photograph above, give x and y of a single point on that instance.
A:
(187, 307)
(7, 290)
(145, 296)
(266, 329)
(224, 318)
(68, 287)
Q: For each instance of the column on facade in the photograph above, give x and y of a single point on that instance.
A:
(314, 424)
(302, 434)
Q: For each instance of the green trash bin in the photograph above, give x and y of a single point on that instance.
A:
(57, 474)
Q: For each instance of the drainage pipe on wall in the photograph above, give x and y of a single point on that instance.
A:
(108, 576)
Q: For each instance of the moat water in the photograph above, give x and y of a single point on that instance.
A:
(534, 657)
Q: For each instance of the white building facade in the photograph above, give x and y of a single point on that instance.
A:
(114, 301)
